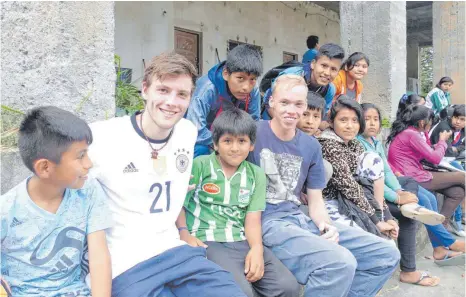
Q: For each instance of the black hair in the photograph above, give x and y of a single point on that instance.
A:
(315, 102)
(366, 106)
(312, 41)
(406, 101)
(331, 51)
(444, 80)
(344, 101)
(353, 59)
(47, 132)
(459, 110)
(411, 116)
(244, 58)
(233, 121)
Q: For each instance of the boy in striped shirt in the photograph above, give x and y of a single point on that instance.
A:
(224, 211)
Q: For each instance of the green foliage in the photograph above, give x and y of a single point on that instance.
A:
(427, 69)
(127, 98)
(9, 123)
(386, 123)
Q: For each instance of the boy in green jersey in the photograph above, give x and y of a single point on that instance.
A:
(224, 211)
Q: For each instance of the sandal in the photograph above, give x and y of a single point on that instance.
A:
(416, 212)
(451, 261)
(425, 275)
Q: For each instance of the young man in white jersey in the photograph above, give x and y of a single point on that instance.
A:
(144, 164)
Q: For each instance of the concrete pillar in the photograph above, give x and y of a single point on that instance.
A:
(412, 59)
(448, 40)
(412, 66)
(378, 29)
(54, 53)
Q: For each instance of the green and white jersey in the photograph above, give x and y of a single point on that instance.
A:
(217, 208)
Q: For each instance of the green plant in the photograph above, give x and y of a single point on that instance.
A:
(10, 120)
(127, 96)
(386, 123)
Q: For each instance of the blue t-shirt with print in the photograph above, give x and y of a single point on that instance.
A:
(43, 253)
(288, 165)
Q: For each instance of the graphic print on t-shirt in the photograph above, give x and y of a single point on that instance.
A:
(67, 243)
(282, 171)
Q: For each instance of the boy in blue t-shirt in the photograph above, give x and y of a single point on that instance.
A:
(52, 223)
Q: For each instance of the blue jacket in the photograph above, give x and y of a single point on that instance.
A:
(328, 92)
(209, 99)
(309, 55)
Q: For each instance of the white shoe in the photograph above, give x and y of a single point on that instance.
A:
(416, 212)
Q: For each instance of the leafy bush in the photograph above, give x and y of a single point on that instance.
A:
(127, 98)
(386, 123)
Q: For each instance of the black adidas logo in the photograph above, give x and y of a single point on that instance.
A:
(15, 223)
(130, 168)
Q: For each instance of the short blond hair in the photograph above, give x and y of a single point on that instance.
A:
(169, 64)
(287, 82)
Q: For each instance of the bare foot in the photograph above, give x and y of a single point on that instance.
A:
(458, 246)
(415, 276)
(440, 253)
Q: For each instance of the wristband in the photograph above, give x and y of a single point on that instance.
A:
(182, 228)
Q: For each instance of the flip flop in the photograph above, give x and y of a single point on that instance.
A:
(425, 275)
(422, 214)
(451, 261)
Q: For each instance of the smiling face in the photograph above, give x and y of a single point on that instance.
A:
(324, 70)
(288, 106)
(310, 121)
(168, 100)
(346, 124)
(71, 172)
(240, 83)
(233, 149)
(359, 70)
(372, 123)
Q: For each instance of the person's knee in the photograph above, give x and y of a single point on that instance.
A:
(342, 260)
(390, 255)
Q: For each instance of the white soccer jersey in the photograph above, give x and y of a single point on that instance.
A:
(145, 198)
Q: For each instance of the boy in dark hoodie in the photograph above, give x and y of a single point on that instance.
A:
(231, 83)
(318, 73)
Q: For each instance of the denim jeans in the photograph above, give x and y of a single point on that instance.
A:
(358, 266)
(439, 236)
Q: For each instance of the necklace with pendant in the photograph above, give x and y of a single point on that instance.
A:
(154, 151)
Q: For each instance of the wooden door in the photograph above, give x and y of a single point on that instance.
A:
(188, 44)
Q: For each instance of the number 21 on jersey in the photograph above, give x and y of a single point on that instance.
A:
(157, 190)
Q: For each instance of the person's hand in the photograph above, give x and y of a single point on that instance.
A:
(191, 240)
(317, 133)
(444, 135)
(192, 186)
(406, 197)
(398, 174)
(303, 198)
(384, 227)
(395, 231)
(454, 149)
(329, 232)
(254, 264)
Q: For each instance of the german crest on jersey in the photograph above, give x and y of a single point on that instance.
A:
(182, 160)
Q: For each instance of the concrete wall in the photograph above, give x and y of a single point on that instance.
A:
(56, 53)
(275, 26)
(379, 30)
(449, 49)
(142, 30)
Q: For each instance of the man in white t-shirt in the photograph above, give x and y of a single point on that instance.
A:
(144, 164)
